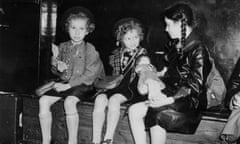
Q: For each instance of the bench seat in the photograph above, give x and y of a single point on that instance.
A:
(207, 132)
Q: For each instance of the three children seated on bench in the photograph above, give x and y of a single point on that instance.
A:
(155, 96)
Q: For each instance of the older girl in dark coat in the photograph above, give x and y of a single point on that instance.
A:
(188, 67)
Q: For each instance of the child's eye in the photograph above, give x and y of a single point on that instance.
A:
(72, 27)
(82, 29)
(127, 38)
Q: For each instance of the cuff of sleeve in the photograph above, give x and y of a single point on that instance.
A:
(54, 61)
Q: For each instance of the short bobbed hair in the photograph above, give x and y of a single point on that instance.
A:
(78, 13)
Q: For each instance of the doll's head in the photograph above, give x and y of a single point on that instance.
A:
(78, 22)
(143, 63)
(148, 82)
(143, 60)
(128, 33)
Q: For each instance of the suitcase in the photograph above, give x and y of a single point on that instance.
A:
(10, 118)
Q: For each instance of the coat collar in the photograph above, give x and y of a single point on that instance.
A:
(71, 45)
(191, 40)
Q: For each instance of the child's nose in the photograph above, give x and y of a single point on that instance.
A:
(166, 29)
(77, 32)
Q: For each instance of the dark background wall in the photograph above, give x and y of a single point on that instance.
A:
(19, 48)
(19, 44)
(219, 18)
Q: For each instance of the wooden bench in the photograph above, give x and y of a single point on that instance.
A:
(207, 133)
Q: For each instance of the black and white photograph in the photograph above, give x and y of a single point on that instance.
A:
(119, 72)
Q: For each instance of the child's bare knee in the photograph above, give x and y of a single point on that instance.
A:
(44, 101)
(44, 105)
(137, 111)
(100, 103)
(70, 104)
(115, 102)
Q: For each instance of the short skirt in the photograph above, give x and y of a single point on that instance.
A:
(83, 92)
(128, 90)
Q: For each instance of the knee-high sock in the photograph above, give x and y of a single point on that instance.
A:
(98, 121)
(46, 124)
(138, 130)
(158, 135)
(72, 125)
(136, 116)
(112, 121)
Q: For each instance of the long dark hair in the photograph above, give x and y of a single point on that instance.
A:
(184, 13)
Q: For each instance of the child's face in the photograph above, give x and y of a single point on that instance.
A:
(131, 39)
(77, 29)
(173, 28)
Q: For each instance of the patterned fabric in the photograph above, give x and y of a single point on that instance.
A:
(128, 85)
(115, 61)
(126, 58)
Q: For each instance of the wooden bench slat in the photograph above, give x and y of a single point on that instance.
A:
(207, 132)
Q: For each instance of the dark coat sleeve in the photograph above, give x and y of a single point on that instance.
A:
(194, 73)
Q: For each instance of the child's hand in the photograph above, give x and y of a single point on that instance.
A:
(61, 87)
(115, 82)
(55, 50)
(61, 66)
(111, 86)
